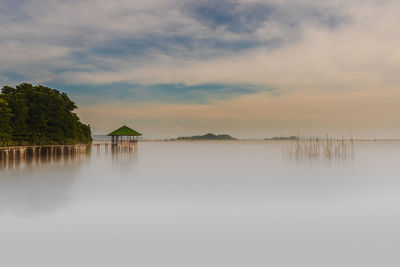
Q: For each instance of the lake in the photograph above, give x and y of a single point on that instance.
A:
(238, 203)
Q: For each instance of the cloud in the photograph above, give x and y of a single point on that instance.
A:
(361, 56)
(93, 37)
(247, 17)
(231, 15)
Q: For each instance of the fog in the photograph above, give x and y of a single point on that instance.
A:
(203, 204)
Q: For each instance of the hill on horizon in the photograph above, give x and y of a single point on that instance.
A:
(208, 136)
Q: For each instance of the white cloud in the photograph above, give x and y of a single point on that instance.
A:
(362, 55)
(78, 28)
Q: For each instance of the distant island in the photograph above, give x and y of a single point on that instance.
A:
(39, 115)
(283, 138)
(208, 136)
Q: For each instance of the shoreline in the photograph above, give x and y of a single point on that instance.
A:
(259, 140)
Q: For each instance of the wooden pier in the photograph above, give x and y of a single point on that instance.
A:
(21, 152)
(49, 151)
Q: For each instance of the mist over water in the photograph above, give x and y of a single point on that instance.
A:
(203, 204)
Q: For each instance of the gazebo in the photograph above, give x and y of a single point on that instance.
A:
(124, 135)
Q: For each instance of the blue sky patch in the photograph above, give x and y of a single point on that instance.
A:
(171, 92)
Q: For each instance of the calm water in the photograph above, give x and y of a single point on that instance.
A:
(203, 204)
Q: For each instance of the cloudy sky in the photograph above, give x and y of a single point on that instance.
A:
(249, 68)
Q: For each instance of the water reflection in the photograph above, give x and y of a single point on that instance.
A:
(37, 185)
(228, 203)
(119, 155)
(30, 162)
(125, 157)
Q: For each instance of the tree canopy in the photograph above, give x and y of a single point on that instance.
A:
(39, 115)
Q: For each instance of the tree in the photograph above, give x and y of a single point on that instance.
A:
(5, 117)
(17, 102)
(44, 115)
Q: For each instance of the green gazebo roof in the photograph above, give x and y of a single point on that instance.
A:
(125, 131)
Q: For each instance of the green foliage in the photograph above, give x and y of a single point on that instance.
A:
(42, 115)
(5, 117)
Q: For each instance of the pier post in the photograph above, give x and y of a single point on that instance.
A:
(62, 153)
(7, 156)
(23, 156)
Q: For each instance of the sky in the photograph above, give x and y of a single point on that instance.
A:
(249, 68)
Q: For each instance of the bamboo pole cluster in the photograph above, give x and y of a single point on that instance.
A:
(315, 148)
